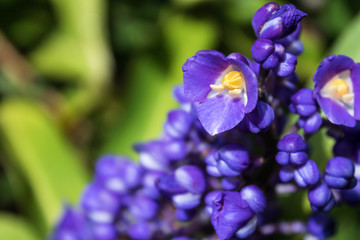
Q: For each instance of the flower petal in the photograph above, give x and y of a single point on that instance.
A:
(355, 78)
(220, 113)
(200, 71)
(336, 113)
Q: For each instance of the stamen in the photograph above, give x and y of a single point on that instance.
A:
(217, 88)
(233, 80)
(338, 88)
(235, 93)
(347, 97)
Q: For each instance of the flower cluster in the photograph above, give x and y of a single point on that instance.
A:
(227, 154)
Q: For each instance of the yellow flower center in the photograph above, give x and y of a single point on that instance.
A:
(233, 80)
(338, 88)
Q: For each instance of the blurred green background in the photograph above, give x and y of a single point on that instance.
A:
(79, 78)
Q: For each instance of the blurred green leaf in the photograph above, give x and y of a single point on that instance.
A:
(149, 93)
(348, 41)
(40, 151)
(15, 228)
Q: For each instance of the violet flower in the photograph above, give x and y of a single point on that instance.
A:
(224, 88)
(337, 89)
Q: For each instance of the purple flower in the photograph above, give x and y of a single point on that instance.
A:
(303, 102)
(224, 88)
(337, 89)
(321, 225)
(339, 173)
(140, 231)
(185, 215)
(230, 214)
(286, 173)
(273, 21)
(352, 196)
(143, 207)
(321, 198)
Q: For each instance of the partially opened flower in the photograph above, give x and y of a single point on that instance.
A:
(225, 89)
(337, 89)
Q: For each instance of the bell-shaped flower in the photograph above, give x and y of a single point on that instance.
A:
(337, 89)
(224, 88)
(230, 214)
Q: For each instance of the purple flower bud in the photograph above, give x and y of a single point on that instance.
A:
(262, 15)
(321, 225)
(254, 197)
(169, 186)
(209, 200)
(304, 102)
(260, 118)
(149, 183)
(339, 173)
(272, 22)
(184, 215)
(211, 164)
(191, 178)
(352, 196)
(230, 213)
(182, 238)
(283, 158)
(103, 231)
(262, 49)
(248, 229)
(143, 207)
(311, 124)
(232, 160)
(279, 50)
(186, 200)
(151, 155)
(292, 143)
(230, 183)
(307, 174)
(72, 225)
(117, 173)
(286, 66)
(271, 62)
(286, 174)
(140, 231)
(174, 150)
(178, 124)
(179, 95)
(100, 204)
(321, 198)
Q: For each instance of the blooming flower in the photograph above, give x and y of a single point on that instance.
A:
(337, 89)
(224, 88)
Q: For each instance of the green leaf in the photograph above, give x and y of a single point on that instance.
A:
(15, 228)
(41, 153)
(348, 41)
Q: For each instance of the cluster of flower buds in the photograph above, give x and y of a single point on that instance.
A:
(214, 172)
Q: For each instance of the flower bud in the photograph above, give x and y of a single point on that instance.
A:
(260, 118)
(178, 124)
(321, 225)
(307, 174)
(321, 198)
(339, 173)
(117, 173)
(230, 214)
(140, 231)
(232, 160)
(191, 178)
(292, 150)
(143, 207)
(254, 197)
(100, 204)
